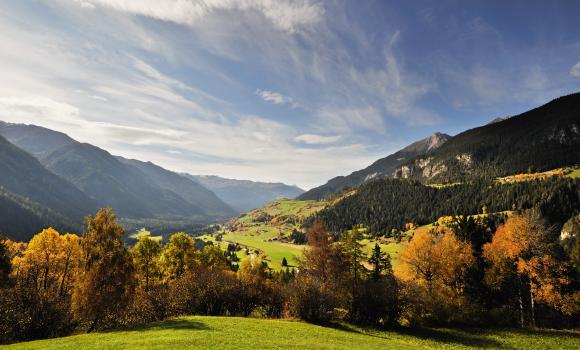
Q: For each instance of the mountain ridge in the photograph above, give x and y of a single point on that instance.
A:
(382, 167)
(543, 138)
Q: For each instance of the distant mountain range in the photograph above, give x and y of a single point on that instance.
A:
(244, 195)
(381, 168)
(49, 179)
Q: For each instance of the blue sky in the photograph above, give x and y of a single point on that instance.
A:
(275, 90)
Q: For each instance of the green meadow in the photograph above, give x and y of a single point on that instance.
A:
(199, 332)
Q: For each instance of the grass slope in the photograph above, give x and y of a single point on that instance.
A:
(269, 239)
(247, 333)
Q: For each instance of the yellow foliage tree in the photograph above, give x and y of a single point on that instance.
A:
(49, 261)
(435, 260)
(179, 255)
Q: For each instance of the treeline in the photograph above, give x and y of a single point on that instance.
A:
(460, 273)
(386, 204)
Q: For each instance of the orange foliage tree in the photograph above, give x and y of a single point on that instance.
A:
(524, 251)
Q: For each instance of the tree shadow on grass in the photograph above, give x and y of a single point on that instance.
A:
(173, 324)
(466, 337)
(544, 333)
(470, 337)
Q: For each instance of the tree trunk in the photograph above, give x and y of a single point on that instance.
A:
(532, 307)
(521, 306)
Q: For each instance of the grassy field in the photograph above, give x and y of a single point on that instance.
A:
(268, 239)
(247, 333)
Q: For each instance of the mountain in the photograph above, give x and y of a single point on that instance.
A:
(31, 192)
(132, 188)
(382, 167)
(244, 195)
(385, 204)
(114, 184)
(35, 140)
(543, 138)
(188, 189)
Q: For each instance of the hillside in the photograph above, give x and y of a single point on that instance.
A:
(24, 179)
(113, 184)
(135, 189)
(387, 204)
(382, 167)
(200, 196)
(35, 140)
(245, 195)
(544, 138)
(275, 231)
(200, 332)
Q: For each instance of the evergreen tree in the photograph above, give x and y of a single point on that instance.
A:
(381, 263)
(5, 266)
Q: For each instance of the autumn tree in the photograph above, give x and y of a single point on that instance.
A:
(524, 251)
(433, 257)
(145, 254)
(49, 261)
(438, 261)
(37, 304)
(213, 258)
(352, 250)
(179, 255)
(320, 284)
(105, 280)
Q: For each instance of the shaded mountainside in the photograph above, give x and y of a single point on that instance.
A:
(194, 193)
(245, 195)
(28, 187)
(114, 184)
(21, 218)
(382, 167)
(544, 138)
(134, 189)
(34, 139)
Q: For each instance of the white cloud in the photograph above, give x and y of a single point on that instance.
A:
(274, 97)
(313, 139)
(286, 15)
(575, 70)
(32, 108)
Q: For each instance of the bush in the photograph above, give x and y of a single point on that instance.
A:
(377, 303)
(26, 315)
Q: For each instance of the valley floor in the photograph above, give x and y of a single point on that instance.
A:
(247, 333)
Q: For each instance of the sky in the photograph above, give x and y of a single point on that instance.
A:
(275, 90)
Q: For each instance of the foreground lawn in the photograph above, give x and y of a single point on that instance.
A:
(247, 333)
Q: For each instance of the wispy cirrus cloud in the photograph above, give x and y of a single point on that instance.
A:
(175, 82)
(285, 15)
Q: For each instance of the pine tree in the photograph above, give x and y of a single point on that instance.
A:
(381, 263)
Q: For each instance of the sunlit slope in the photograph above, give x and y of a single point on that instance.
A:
(250, 333)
